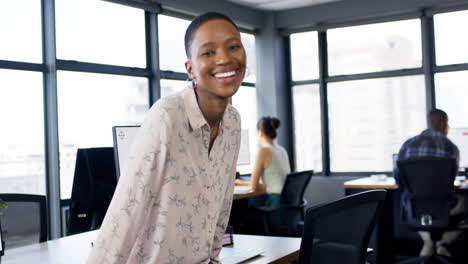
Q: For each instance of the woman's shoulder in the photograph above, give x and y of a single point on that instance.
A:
(171, 105)
(265, 150)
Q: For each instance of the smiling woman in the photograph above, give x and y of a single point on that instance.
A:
(173, 199)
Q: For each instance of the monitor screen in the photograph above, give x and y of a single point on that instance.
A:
(394, 159)
(1, 241)
(459, 137)
(94, 183)
(123, 140)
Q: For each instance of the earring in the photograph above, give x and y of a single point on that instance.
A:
(194, 83)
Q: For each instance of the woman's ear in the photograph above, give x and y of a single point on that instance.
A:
(188, 67)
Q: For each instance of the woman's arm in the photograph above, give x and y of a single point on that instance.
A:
(262, 161)
(134, 195)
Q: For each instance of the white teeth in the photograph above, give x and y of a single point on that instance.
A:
(225, 74)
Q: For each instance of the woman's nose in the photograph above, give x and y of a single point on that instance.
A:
(223, 58)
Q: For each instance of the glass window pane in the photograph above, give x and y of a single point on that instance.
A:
(245, 101)
(304, 56)
(370, 119)
(169, 87)
(451, 96)
(22, 163)
(248, 40)
(451, 37)
(100, 32)
(376, 47)
(89, 105)
(20, 31)
(307, 127)
(171, 43)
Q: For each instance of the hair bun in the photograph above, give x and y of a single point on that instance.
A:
(275, 122)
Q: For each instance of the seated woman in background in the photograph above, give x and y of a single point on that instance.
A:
(271, 164)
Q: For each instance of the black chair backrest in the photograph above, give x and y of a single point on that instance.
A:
(294, 188)
(428, 183)
(24, 222)
(339, 231)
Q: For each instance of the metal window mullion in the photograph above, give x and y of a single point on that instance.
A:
(304, 82)
(23, 66)
(374, 75)
(79, 66)
(289, 103)
(323, 75)
(451, 68)
(429, 60)
(51, 119)
(152, 56)
(248, 84)
(170, 75)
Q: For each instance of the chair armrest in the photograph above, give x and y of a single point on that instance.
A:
(369, 256)
(265, 209)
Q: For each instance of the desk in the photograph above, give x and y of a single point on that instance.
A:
(241, 192)
(387, 183)
(75, 249)
(390, 235)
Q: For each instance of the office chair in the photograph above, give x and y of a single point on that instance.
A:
(292, 204)
(24, 222)
(339, 231)
(427, 198)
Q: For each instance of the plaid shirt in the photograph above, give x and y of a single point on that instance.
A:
(430, 143)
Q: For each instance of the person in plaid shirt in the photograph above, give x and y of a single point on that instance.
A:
(433, 142)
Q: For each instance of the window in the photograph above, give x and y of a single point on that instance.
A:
(245, 101)
(307, 127)
(304, 56)
(376, 47)
(171, 43)
(451, 37)
(22, 162)
(169, 87)
(20, 31)
(89, 105)
(370, 119)
(100, 32)
(451, 96)
(248, 41)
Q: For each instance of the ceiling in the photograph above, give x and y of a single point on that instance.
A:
(277, 5)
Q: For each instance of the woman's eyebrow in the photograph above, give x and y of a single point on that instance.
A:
(206, 44)
(212, 43)
(231, 39)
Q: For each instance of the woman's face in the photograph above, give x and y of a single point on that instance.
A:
(218, 59)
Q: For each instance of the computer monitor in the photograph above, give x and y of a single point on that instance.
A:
(123, 141)
(459, 136)
(394, 160)
(93, 187)
(2, 243)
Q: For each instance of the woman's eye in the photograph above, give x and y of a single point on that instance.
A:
(208, 53)
(234, 47)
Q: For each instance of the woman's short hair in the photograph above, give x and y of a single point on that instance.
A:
(197, 22)
(269, 125)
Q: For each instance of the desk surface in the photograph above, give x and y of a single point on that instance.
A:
(387, 183)
(241, 192)
(75, 249)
